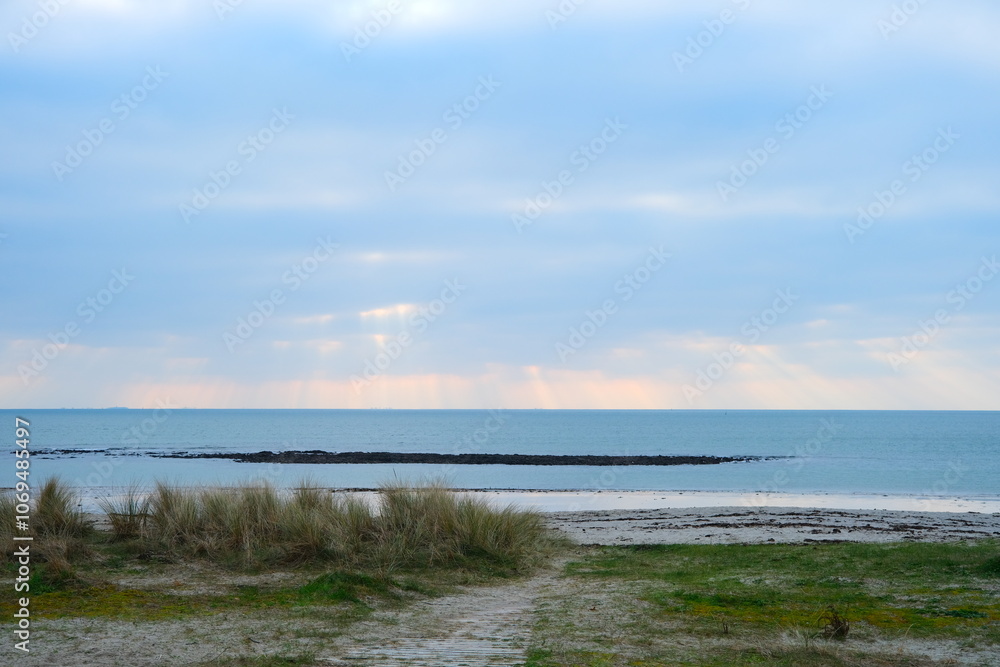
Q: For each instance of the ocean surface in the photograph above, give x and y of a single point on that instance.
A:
(923, 454)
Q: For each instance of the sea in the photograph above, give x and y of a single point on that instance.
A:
(915, 459)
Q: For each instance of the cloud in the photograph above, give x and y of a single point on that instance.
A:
(355, 119)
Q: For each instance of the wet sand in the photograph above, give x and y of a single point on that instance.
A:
(744, 525)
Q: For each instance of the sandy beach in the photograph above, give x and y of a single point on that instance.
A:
(743, 525)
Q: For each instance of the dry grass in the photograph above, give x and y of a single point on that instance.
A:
(256, 525)
(59, 527)
(127, 513)
(6, 525)
(56, 512)
(431, 525)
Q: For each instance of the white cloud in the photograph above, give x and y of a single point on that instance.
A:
(399, 310)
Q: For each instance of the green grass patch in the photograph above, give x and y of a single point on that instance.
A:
(343, 587)
(990, 567)
(773, 604)
(327, 589)
(927, 589)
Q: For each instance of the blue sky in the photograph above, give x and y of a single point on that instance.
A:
(509, 204)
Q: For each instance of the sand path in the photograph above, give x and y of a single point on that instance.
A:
(476, 627)
(483, 627)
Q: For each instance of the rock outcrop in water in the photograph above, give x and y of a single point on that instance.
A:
(319, 456)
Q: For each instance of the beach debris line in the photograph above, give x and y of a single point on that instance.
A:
(320, 456)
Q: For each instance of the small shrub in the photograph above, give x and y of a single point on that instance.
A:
(834, 626)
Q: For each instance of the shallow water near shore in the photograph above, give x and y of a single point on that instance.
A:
(914, 457)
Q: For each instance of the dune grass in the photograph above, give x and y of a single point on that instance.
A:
(59, 528)
(435, 526)
(410, 527)
(6, 525)
(56, 512)
(255, 525)
(127, 514)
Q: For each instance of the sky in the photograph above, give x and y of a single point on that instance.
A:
(735, 204)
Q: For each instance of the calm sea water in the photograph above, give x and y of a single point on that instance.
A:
(925, 453)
